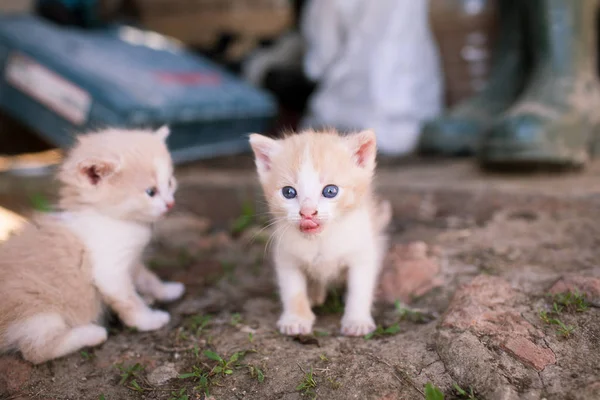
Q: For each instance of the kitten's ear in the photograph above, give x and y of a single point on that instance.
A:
(364, 147)
(94, 170)
(163, 132)
(264, 148)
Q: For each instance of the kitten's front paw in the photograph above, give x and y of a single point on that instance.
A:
(171, 291)
(357, 326)
(292, 325)
(151, 320)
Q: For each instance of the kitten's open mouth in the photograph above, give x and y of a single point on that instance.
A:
(310, 226)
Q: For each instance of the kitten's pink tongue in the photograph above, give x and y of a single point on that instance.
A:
(308, 224)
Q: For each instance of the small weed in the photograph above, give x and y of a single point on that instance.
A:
(86, 355)
(250, 337)
(563, 329)
(556, 308)
(308, 384)
(319, 333)
(245, 220)
(129, 372)
(571, 302)
(101, 397)
(544, 317)
(335, 385)
(181, 395)
(463, 394)
(200, 376)
(381, 331)
(204, 378)
(236, 319)
(196, 351)
(183, 335)
(323, 357)
(40, 203)
(135, 386)
(224, 367)
(568, 302)
(129, 375)
(407, 314)
(333, 304)
(432, 392)
(257, 373)
(198, 323)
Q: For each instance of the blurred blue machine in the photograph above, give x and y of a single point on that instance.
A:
(84, 13)
(61, 80)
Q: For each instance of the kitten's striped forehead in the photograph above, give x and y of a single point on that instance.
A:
(314, 157)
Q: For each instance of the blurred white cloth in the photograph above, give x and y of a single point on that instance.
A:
(288, 51)
(377, 65)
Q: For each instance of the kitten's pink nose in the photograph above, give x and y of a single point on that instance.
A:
(308, 212)
(170, 205)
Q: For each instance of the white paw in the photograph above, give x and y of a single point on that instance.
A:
(292, 325)
(357, 326)
(91, 335)
(150, 320)
(172, 291)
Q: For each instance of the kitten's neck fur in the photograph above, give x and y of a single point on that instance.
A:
(76, 208)
(102, 234)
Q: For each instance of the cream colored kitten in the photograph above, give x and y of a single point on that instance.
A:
(319, 189)
(59, 272)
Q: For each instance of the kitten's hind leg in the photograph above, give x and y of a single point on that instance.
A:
(45, 337)
(150, 285)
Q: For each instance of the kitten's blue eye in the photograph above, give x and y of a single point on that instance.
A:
(288, 192)
(330, 191)
(151, 191)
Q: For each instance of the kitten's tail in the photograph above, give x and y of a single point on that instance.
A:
(383, 215)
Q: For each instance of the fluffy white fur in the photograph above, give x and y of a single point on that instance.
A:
(88, 255)
(350, 235)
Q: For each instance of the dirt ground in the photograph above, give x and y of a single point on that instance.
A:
(479, 307)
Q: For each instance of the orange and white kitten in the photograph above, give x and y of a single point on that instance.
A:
(58, 273)
(327, 223)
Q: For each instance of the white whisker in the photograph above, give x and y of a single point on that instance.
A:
(270, 224)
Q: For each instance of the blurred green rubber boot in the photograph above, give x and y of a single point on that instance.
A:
(459, 131)
(555, 120)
